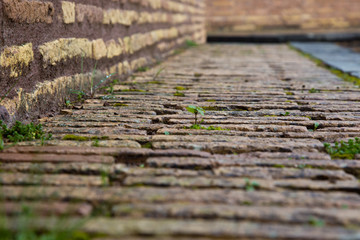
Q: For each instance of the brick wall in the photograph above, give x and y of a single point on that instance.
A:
(49, 47)
(252, 15)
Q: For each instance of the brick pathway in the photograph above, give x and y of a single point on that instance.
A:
(265, 176)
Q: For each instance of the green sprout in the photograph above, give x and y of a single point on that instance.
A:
(251, 186)
(195, 110)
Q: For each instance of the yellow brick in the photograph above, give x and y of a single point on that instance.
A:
(114, 49)
(116, 16)
(126, 67)
(65, 48)
(137, 63)
(17, 57)
(127, 44)
(113, 69)
(120, 68)
(99, 49)
(68, 9)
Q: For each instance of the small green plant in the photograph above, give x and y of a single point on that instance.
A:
(190, 43)
(167, 133)
(179, 94)
(343, 150)
(313, 90)
(2, 144)
(20, 132)
(316, 222)
(251, 186)
(157, 74)
(285, 114)
(96, 143)
(80, 95)
(110, 87)
(68, 104)
(316, 126)
(143, 69)
(26, 231)
(195, 110)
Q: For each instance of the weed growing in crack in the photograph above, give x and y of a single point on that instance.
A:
(316, 222)
(195, 110)
(81, 95)
(190, 43)
(25, 228)
(313, 90)
(157, 74)
(316, 126)
(20, 132)
(251, 186)
(143, 69)
(343, 150)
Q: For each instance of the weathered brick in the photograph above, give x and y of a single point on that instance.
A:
(99, 49)
(16, 57)
(90, 13)
(68, 9)
(116, 16)
(29, 11)
(65, 48)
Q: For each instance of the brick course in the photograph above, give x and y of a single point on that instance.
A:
(43, 43)
(253, 15)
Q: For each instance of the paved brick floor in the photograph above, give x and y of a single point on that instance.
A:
(265, 176)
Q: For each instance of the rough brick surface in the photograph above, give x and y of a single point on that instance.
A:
(264, 175)
(257, 15)
(44, 45)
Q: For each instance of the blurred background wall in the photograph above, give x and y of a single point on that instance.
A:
(268, 15)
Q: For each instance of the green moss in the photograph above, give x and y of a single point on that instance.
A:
(279, 166)
(211, 128)
(180, 88)
(120, 105)
(211, 100)
(197, 75)
(155, 82)
(132, 90)
(72, 137)
(147, 145)
(289, 93)
(179, 94)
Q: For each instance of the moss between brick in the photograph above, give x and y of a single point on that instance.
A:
(71, 137)
(120, 105)
(345, 76)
